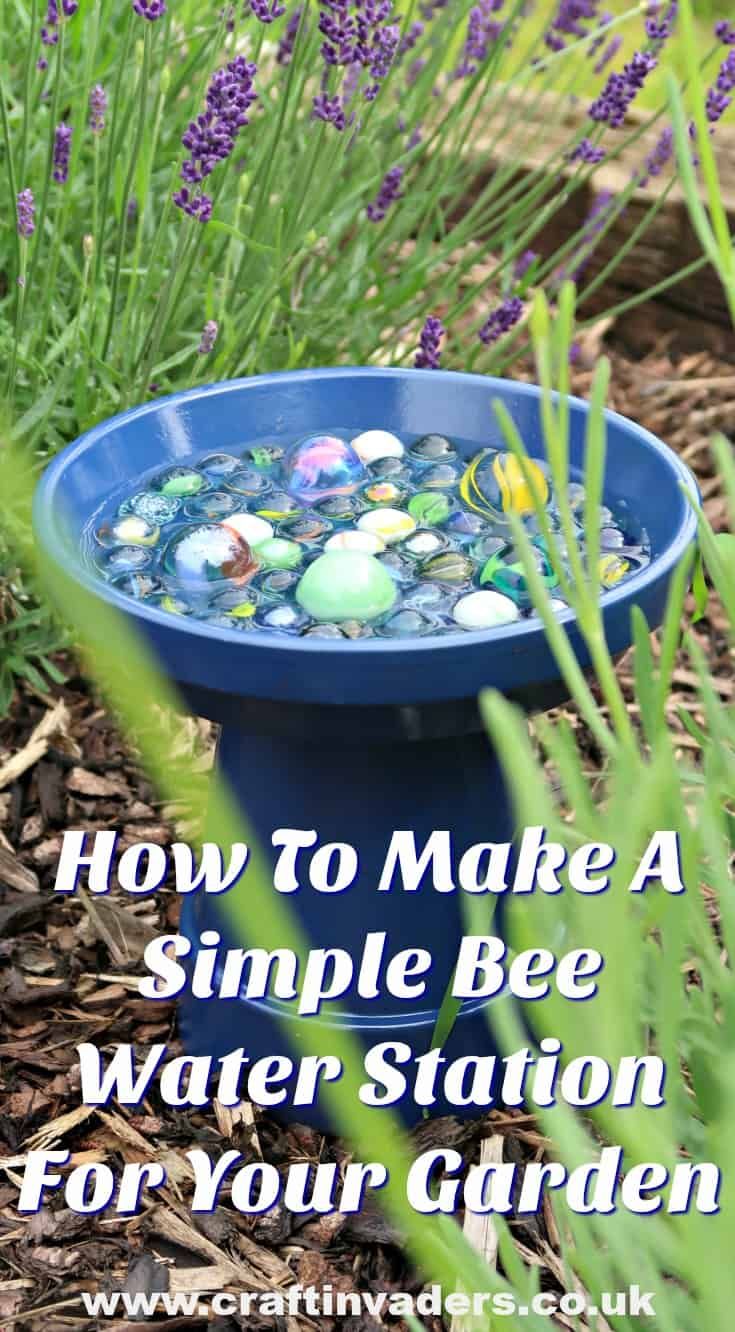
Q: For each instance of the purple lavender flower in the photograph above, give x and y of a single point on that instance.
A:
(621, 90)
(267, 12)
(330, 110)
(502, 320)
(718, 96)
(569, 21)
(410, 38)
(198, 206)
(388, 194)
(359, 32)
(659, 156)
(62, 151)
(482, 31)
(598, 41)
(428, 355)
(587, 151)
(132, 209)
(150, 9)
(595, 223)
(209, 337)
(288, 40)
(26, 214)
(523, 263)
(659, 27)
(97, 109)
(210, 138)
(725, 32)
(42, 63)
(609, 53)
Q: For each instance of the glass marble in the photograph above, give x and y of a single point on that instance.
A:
(451, 567)
(156, 509)
(464, 526)
(320, 466)
(325, 630)
(432, 597)
(369, 542)
(263, 456)
(278, 553)
(277, 506)
(433, 448)
(373, 445)
(340, 508)
(485, 610)
(248, 481)
(389, 524)
(210, 506)
(219, 464)
(346, 585)
(441, 477)
(306, 527)
(494, 484)
(138, 585)
(508, 576)
(250, 527)
(406, 623)
(179, 482)
(278, 583)
(208, 553)
(383, 492)
(393, 469)
(614, 568)
(285, 616)
(128, 531)
(397, 539)
(238, 601)
(424, 542)
(401, 569)
(122, 559)
(430, 509)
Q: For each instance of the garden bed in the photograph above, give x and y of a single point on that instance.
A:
(694, 309)
(70, 976)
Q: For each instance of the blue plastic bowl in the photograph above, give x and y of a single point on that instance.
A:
(357, 738)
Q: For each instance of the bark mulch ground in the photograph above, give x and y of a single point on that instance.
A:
(68, 974)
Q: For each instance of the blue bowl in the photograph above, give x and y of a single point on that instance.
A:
(357, 738)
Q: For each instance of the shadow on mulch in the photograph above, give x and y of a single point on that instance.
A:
(69, 974)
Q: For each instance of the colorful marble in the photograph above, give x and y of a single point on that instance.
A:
(388, 524)
(495, 484)
(337, 540)
(250, 527)
(368, 542)
(430, 509)
(208, 553)
(128, 531)
(346, 585)
(179, 482)
(320, 466)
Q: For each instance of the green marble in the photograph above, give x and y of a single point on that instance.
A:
(346, 585)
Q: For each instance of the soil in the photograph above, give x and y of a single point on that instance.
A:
(68, 974)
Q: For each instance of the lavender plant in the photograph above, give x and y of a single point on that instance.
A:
(307, 177)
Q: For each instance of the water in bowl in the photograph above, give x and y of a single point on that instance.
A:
(337, 535)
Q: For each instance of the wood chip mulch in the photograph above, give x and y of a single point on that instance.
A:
(68, 974)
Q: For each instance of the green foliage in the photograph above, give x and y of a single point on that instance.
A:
(114, 301)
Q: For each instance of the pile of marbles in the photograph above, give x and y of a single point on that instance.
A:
(346, 538)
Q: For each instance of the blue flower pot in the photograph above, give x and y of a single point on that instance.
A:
(357, 738)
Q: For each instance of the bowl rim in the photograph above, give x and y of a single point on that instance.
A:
(48, 517)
